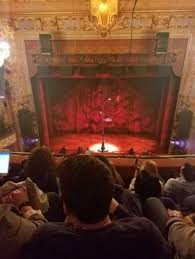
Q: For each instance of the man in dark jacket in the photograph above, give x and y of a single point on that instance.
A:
(87, 191)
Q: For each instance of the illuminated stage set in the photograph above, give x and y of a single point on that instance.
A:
(110, 99)
(122, 113)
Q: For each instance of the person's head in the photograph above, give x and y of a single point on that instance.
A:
(147, 185)
(86, 186)
(131, 151)
(188, 205)
(116, 176)
(187, 172)
(79, 150)
(40, 164)
(150, 166)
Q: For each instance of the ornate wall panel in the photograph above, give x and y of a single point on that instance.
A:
(8, 141)
(82, 23)
(19, 87)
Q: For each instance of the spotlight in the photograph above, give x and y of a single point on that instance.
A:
(181, 143)
(108, 146)
(30, 141)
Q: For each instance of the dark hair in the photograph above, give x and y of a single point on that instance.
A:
(188, 205)
(86, 186)
(40, 168)
(187, 171)
(116, 176)
(147, 185)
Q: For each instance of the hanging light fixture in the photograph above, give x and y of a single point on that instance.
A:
(104, 14)
(4, 51)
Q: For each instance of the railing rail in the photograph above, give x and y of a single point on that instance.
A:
(111, 155)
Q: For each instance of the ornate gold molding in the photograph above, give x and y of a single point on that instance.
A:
(6, 30)
(82, 23)
(8, 141)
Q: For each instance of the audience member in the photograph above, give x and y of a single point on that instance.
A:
(50, 203)
(80, 151)
(122, 195)
(40, 168)
(128, 200)
(155, 211)
(87, 190)
(17, 223)
(146, 186)
(188, 206)
(180, 188)
(181, 234)
(131, 151)
(116, 176)
(63, 150)
(151, 167)
(55, 212)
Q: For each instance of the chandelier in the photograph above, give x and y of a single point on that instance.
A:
(104, 14)
(4, 51)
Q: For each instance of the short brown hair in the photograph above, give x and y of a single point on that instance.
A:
(87, 187)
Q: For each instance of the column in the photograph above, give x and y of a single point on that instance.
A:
(168, 114)
(43, 113)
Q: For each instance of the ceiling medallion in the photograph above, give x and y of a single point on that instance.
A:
(104, 14)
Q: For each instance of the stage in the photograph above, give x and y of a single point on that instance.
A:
(133, 112)
(119, 143)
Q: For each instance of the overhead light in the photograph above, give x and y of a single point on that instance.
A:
(103, 8)
(104, 14)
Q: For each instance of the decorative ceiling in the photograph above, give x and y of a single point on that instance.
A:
(82, 6)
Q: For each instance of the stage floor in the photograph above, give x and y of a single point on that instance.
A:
(113, 142)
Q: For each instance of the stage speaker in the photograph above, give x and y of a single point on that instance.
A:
(25, 118)
(184, 124)
(45, 42)
(162, 41)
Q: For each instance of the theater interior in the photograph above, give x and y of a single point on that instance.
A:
(97, 129)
